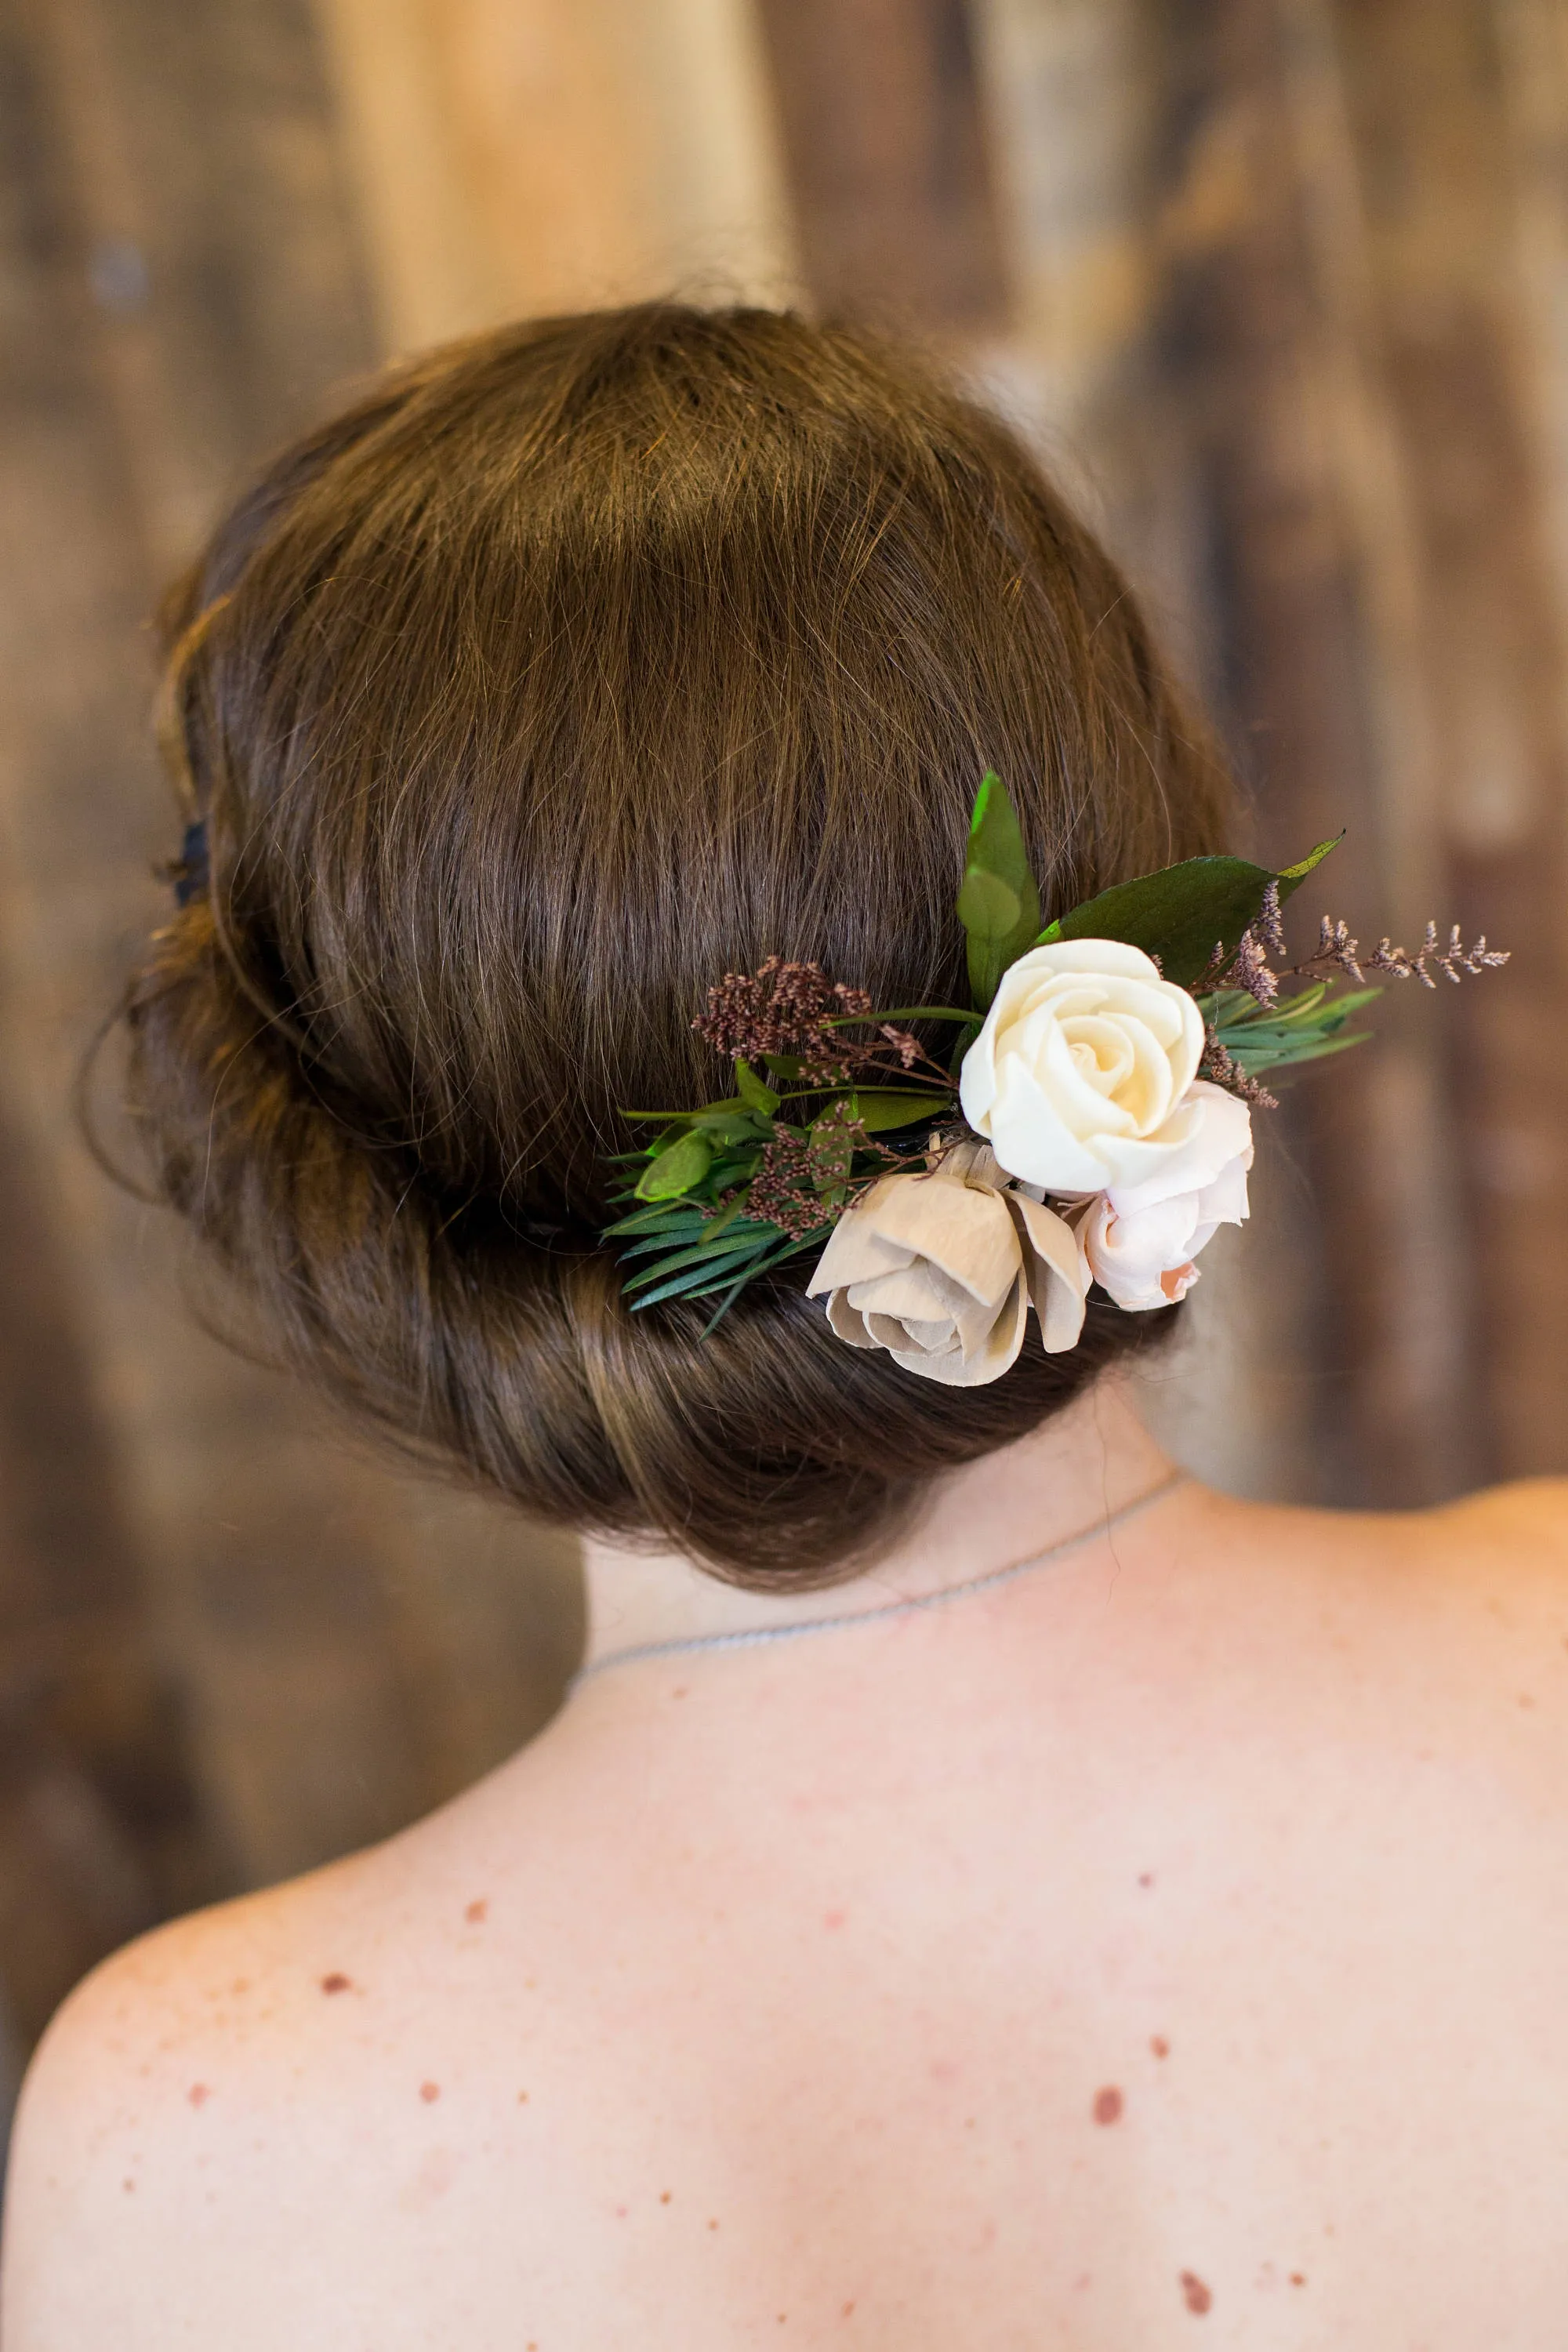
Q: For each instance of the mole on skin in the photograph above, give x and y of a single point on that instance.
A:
(1194, 2293)
(336, 1982)
(1108, 2104)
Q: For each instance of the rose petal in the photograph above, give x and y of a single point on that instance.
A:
(1041, 1148)
(855, 1250)
(963, 1229)
(1085, 1053)
(998, 1355)
(848, 1323)
(1053, 1071)
(1208, 1130)
(1053, 1265)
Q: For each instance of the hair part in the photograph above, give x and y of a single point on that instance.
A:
(575, 666)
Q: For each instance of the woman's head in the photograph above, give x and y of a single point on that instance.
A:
(575, 666)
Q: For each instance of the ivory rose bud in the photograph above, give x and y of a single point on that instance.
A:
(1078, 1076)
(1139, 1239)
(941, 1270)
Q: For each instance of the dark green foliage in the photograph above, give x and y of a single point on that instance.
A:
(999, 902)
(1184, 913)
(1300, 1028)
(691, 1227)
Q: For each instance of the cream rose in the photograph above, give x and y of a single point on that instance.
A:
(1080, 1078)
(941, 1270)
(1139, 1241)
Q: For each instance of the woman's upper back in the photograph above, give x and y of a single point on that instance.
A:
(1171, 1937)
(1176, 1936)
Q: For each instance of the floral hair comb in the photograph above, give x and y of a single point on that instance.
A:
(1092, 1123)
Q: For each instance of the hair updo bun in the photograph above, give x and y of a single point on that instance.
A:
(577, 666)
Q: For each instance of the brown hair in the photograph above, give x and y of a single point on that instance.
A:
(574, 667)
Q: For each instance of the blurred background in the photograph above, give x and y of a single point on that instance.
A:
(1279, 288)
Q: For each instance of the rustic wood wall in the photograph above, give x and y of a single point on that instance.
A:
(1281, 289)
(1291, 305)
(230, 1646)
(522, 156)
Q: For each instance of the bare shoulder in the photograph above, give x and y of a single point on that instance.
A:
(1471, 1597)
(196, 2095)
(221, 1982)
(1528, 1513)
(1506, 1545)
(139, 2082)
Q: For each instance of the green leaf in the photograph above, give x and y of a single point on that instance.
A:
(1313, 1050)
(918, 1012)
(998, 903)
(725, 1304)
(723, 1260)
(725, 1174)
(757, 1095)
(726, 1217)
(701, 1283)
(730, 1126)
(879, 1111)
(707, 1114)
(1185, 911)
(662, 1216)
(783, 1065)
(712, 1275)
(1300, 1028)
(1292, 1019)
(1235, 1008)
(654, 1244)
(713, 1236)
(987, 905)
(1290, 878)
(832, 1149)
(677, 1171)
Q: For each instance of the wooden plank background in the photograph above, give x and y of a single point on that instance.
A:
(1281, 289)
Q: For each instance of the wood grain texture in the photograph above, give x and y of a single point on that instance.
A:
(888, 159)
(1269, 333)
(1282, 287)
(514, 157)
(1292, 302)
(1439, 120)
(231, 1644)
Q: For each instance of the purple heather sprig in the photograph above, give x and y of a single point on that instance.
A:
(781, 1008)
(1453, 960)
(795, 1171)
(1249, 969)
(795, 1010)
(1226, 1071)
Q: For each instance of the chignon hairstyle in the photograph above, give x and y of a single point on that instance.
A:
(575, 666)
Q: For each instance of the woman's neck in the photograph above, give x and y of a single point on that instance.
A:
(1090, 1461)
